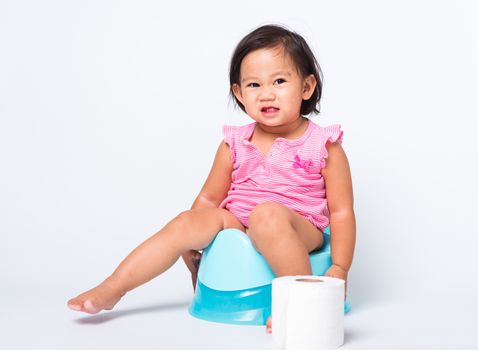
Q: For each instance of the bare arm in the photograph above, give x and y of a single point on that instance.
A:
(340, 202)
(211, 195)
(218, 181)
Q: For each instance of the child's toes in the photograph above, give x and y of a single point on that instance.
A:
(269, 325)
(75, 304)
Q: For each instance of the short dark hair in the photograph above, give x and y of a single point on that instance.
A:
(271, 36)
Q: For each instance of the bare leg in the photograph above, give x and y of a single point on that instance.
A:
(284, 238)
(192, 229)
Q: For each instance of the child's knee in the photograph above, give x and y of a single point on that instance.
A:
(184, 220)
(269, 215)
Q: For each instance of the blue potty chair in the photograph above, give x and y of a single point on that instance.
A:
(234, 281)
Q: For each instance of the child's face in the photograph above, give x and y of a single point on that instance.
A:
(271, 88)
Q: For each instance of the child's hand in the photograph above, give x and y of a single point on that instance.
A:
(192, 259)
(338, 272)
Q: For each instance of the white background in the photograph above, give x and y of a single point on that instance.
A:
(110, 114)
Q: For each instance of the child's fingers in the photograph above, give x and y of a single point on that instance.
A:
(196, 262)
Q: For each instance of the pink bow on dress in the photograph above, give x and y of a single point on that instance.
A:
(301, 163)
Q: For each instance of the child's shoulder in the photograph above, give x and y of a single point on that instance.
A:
(238, 131)
(329, 133)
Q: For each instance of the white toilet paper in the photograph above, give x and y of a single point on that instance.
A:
(308, 312)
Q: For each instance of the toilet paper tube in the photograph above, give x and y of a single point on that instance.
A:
(308, 312)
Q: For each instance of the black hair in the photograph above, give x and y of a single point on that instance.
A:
(271, 36)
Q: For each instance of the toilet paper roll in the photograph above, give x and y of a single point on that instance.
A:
(308, 312)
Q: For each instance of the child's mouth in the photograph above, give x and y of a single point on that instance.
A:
(269, 109)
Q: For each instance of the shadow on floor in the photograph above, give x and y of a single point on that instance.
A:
(111, 315)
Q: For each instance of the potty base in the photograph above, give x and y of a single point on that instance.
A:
(246, 307)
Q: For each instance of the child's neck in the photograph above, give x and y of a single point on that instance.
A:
(290, 131)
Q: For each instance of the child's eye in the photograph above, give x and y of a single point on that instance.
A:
(280, 81)
(253, 85)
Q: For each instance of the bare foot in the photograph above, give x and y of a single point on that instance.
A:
(102, 297)
(269, 325)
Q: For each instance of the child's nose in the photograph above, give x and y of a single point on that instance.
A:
(266, 94)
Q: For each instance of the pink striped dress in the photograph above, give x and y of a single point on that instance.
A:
(289, 174)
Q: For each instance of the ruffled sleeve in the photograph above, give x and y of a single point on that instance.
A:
(229, 133)
(331, 133)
